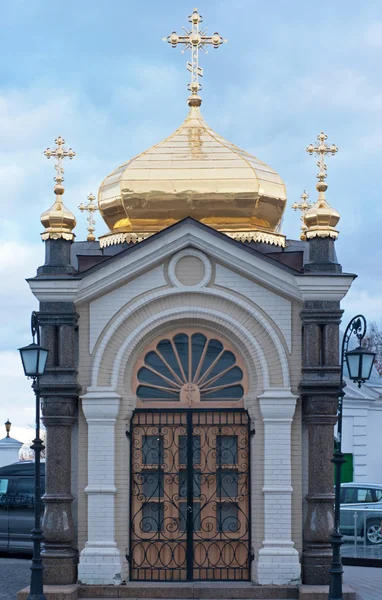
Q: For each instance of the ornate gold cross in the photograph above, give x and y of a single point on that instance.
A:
(195, 39)
(59, 153)
(303, 206)
(320, 150)
(90, 208)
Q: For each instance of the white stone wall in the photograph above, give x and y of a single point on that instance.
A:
(264, 326)
(274, 305)
(106, 306)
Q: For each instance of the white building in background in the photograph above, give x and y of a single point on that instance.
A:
(362, 430)
(9, 448)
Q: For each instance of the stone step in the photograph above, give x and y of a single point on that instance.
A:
(193, 591)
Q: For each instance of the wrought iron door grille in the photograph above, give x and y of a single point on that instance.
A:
(190, 487)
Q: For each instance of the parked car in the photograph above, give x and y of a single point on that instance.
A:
(366, 500)
(17, 506)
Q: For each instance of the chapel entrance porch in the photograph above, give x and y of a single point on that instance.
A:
(190, 495)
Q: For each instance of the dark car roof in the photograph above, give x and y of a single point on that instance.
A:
(21, 468)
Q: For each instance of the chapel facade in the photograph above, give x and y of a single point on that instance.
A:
(193, 374)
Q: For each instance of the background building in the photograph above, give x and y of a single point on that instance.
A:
(9, 447)
(362, 423)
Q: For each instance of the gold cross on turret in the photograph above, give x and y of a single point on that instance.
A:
(59, 153)
(90, 208)
(195, 39)
(320, 150)
(303, 206)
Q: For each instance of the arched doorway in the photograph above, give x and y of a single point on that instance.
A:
(190, 471)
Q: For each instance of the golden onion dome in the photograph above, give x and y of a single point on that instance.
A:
(58, 220)
(193, 173)
(321, 219)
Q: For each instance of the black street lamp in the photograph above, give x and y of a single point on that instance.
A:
(34, 360)
(359, 363)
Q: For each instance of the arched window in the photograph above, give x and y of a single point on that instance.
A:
(189, 367)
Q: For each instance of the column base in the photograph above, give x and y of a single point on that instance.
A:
(316, 565)
(60, 566)
(100, 564)
(278, 565)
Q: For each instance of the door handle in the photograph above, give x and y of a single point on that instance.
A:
(189, 508)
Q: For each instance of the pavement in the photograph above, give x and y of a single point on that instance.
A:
(366, 581)
(15, 575)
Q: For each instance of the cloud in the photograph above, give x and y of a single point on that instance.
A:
(362, 301)
(17, 398)
(19, 260)
(373, 35)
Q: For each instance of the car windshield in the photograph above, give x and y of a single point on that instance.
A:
(4, 486)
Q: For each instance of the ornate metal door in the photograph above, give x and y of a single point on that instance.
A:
(190, 508)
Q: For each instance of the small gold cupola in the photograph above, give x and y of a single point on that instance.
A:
(321, 219)
(194, 173)
(58, 220)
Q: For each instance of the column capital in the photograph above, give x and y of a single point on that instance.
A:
(100, 404)
(277, 404)
(58, 411)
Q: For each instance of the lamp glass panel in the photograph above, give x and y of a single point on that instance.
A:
(353, 361)
(367, 364)
(43, 355)
(29, 356)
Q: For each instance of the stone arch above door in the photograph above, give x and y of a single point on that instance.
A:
(190, 367)
(126, 337)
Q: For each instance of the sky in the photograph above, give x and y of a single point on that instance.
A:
(99, 74)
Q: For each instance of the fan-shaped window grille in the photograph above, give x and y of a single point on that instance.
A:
(190, 366)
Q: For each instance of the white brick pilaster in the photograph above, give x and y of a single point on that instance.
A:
(278, 559)
(100, 560)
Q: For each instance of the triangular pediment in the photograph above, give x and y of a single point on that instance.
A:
(188, 233)
(136, 260)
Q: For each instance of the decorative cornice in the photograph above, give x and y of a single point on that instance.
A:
(324, 287)
(57, 235)
(54, 290)
(112, 239)
(321, 233)
(276, 239)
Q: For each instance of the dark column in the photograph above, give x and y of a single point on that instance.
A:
(59, 394)
(319, 388)
(59, 391)
(57, 258)
(322, 256)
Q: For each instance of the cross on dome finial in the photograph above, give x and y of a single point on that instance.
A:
(303, 206)
(320, 150)
(321, 219)
(195, 39)
(59, 153)
(90, 208)
(58, 221)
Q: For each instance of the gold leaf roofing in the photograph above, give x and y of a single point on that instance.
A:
(194, 172)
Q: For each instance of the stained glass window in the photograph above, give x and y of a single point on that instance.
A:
(190, 359)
